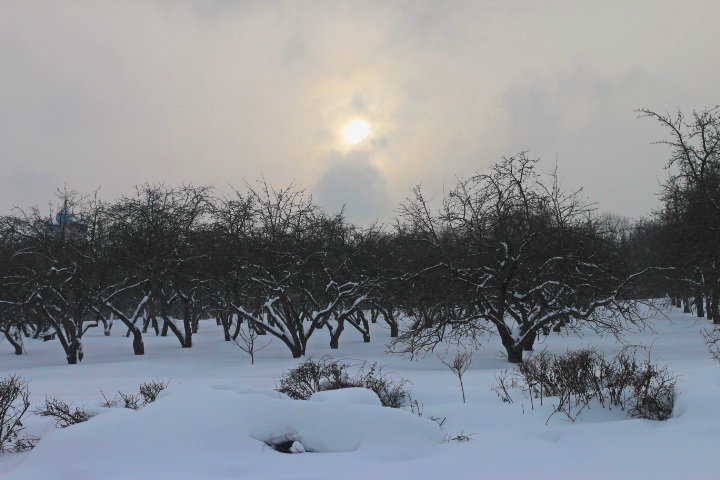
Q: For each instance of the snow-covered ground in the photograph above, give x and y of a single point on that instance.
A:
(212, 420)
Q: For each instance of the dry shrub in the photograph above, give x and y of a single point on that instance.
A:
(129, 400)
(322, 374)
(148, 392)
(314, 376)
(392, 392)
(14, 403)
(64, 414)
(574, 379)
(712, 340)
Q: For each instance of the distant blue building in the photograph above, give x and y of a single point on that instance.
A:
(66, 224)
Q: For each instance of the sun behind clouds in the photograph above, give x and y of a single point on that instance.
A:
(356, 131)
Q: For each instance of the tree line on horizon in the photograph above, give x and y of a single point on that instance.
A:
(509, 251)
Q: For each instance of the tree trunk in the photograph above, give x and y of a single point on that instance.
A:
(74, 352)
(708, 307)
(686, 305)
(427, 318)
(513, 349)
(187, 340)
(530, 342)
(169, 325)
(361, 324)
(366, 327)
(389, 316)
(107, 326)
(138, 344)
(515, 355)
(714, 306)
(152, 319)
(224, 320)
(393, 330)
(335, 335)
(15, 343)
(238, 325)
(699, 304)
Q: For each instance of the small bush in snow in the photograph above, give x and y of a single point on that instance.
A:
(149, 391)
(314, 376)
(712, 339)
(391, 391)
(14, 403)
(129, 400)
(418, 409)
(25, 443)
(108, 402)
(574, 379)
(64, 414)
(651, 387)
(460, 437)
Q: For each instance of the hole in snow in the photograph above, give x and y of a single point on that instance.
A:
(286, 446)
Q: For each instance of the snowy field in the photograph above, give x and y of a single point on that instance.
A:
(212, 420)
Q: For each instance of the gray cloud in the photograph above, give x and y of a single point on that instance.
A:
(352, 182)
(112, 94)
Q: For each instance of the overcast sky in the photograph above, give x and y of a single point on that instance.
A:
(115, 93)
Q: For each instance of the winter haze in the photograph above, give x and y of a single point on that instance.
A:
(113, 94)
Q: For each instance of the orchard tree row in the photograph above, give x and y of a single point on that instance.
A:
(507, 251)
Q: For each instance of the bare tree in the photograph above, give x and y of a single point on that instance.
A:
(458, 365)
(59, 261)
(159, 228)
(291, 284)
(523, 255)
(690, 214)
(246, 340)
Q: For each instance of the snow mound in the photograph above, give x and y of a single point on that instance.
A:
(210, 433)
(338, 421)
(354, 395)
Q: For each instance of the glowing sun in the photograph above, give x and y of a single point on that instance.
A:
(356, 131)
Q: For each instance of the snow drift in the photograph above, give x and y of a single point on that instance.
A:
(219, 433)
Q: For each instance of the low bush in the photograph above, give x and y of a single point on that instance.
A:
(129, 400)
(712, 340)
(314, 376)
(64, 414)
(148, 392)
(14, 403)
(574, 379)
(322, 374)
(393, 392)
